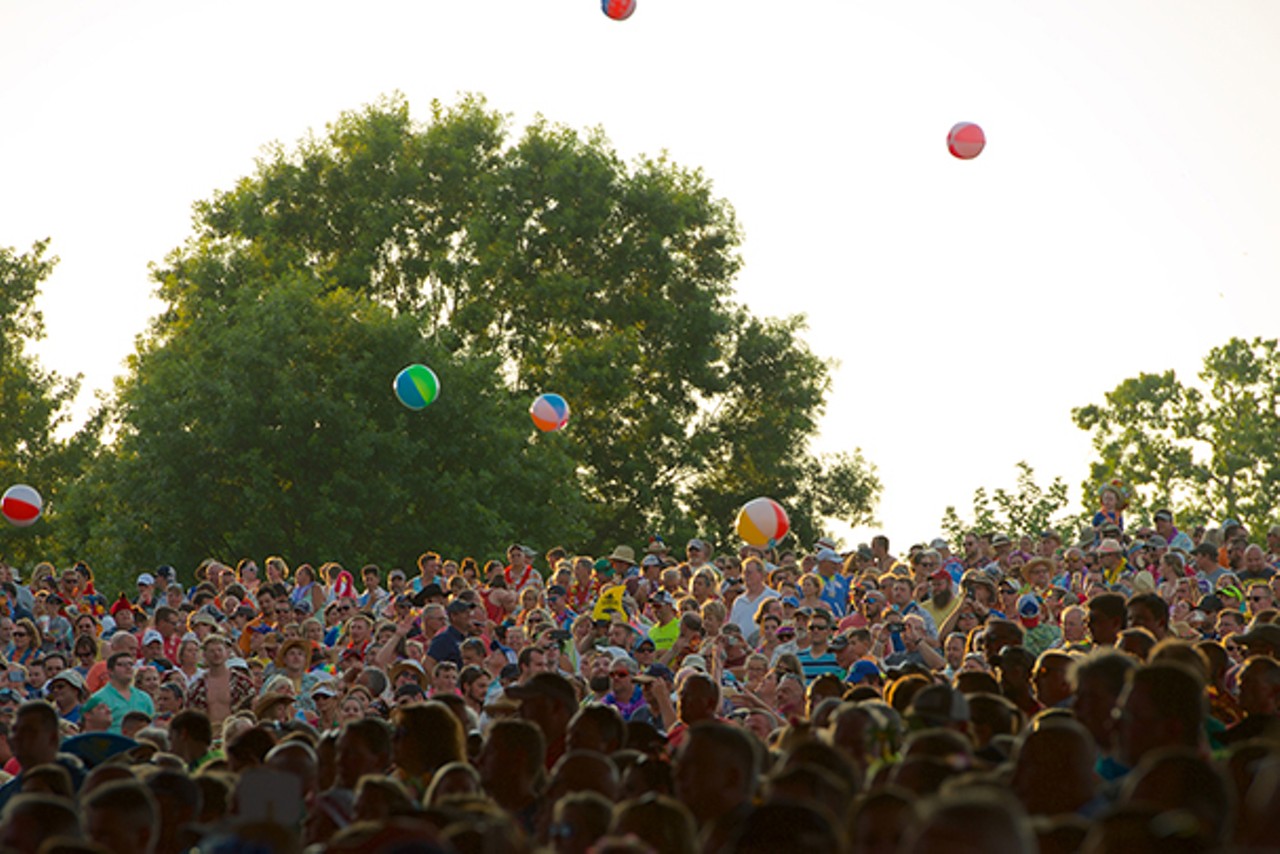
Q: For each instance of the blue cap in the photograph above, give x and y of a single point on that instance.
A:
(1029, 606)
(791, 600)
(661, 671)
(862, 670)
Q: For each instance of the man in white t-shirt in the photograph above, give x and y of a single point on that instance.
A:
(744, 607)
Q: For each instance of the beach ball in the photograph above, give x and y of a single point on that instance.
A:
(966, 141)
(619, 10)
(762, 522)
(549, 412)
(417, 387)
(21, 505)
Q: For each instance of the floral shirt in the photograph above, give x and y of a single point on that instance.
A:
(242, 692)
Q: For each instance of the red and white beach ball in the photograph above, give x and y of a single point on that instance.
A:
(966, 141)
(21, 505)
(762, 522)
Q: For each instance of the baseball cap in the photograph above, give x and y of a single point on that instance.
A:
(1164, 516)
(791, 601)
(662, 597)
(1262, 634)
(324, 689)
(937, 544)
(938, 705)
(838, 642)
(829, 555)
(1001, 540)
(395, 573)
(699, 544)
(940, 573)
(660, 671)
(1210, 604)
(459, 606)
(164, 571)
(557, 590)
(409, 689)
(1029, 606)
(696, 661)
(146, 578)
(550, 685)
(651, 560)
(152, 636)
(644, 642)
(862, 670)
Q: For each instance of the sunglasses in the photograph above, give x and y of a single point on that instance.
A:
(620, 674)
(19, 634)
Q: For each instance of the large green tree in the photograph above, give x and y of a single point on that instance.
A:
(542, 263)
(267, 424)
(34, 402)
(1210, 450)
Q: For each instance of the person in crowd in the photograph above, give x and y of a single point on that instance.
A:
(1113, 677)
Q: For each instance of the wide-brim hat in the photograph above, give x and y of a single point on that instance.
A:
(408, 665)
(292, 643)
(267, 702)
(1262, 634)
(624, 554)
(1110, 547)
(74, 679)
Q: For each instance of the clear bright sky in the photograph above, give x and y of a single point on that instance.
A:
(1123, 218)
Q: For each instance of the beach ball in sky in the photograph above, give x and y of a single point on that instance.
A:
(619, 10)
(966, 141)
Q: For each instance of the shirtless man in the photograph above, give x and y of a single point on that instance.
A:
(220, 690)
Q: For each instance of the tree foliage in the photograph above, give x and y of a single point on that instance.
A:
(269, 426)
(1027, 510)
(1207, 450)
(258, 410)
(33, 402)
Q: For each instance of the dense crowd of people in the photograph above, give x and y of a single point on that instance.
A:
(1115, 690)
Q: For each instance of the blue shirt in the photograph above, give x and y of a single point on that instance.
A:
(815, 667)
(835, 592)
(447, 646)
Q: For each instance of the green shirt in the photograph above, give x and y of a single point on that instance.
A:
(137, 701)
(664, 637)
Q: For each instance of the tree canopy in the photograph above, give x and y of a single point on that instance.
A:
(1207, 450)
(257, 415)
(35, 401)
(1027, 510)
